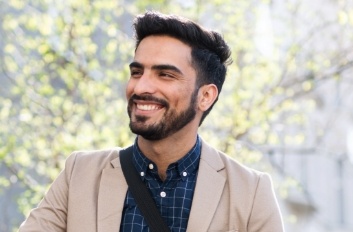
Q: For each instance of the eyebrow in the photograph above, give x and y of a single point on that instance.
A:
(157, 67)
(135, 65)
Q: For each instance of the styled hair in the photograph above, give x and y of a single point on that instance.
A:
(209, 52)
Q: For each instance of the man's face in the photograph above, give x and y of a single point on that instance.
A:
(161, 91)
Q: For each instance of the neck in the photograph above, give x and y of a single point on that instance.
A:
(168, 150)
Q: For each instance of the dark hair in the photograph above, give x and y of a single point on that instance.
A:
(210, 53)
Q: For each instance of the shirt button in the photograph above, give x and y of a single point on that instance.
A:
(185, 173)
(150, 166)
(163, 194)
(142, 173)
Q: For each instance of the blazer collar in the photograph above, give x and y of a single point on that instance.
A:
(111, 197)
(208, 190)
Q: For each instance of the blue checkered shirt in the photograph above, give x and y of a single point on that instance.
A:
(173, 196)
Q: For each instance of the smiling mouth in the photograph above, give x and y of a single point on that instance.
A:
(148, 107)
(146, 104)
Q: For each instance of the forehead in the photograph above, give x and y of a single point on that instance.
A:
(162, 49)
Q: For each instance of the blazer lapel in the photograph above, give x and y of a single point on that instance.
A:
(112, 193)
(208, 190)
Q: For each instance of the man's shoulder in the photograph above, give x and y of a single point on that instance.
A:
(97, 158)
(236, 167)
(230, 164)
(97, 153)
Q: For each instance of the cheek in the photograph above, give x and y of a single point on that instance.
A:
(185, 95)
(129, 89)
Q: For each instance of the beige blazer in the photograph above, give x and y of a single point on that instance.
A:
(89, 195)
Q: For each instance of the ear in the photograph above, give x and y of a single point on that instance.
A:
(206, 96)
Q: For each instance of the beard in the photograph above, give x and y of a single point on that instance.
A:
(171, 122)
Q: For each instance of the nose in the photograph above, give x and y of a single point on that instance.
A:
(144, 84)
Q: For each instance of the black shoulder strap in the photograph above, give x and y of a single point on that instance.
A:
(141, 194)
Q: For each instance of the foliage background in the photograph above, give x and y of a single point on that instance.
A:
(63, 69)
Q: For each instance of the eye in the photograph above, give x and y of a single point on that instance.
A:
(166, 74)
(136, 72)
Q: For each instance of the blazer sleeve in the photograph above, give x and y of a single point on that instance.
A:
(265, 215)
(51, 213)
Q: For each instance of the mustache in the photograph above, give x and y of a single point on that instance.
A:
(148, 98)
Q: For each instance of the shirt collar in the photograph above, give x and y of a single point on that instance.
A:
(187, 165)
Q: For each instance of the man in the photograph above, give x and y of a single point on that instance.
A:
(176, 76)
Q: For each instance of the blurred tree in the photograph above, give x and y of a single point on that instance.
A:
(66, 67)
(63, 69)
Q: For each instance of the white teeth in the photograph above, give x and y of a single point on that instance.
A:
(147, 107)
